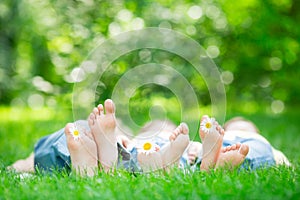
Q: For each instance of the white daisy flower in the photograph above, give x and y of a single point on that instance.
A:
(75, 132)
(207, 125)
(148, 147)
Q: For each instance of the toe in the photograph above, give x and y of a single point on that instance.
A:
(91, 119)
(178, 130)
(181, 129)
(100, 109)
(109, 106)
(201, 132)
(96, 111)
(68, 128)
(228, 148)
(233, 147)
(244, 149)
(172, 137)
(184, 128)
(68, 134)
(174, 134)
(222, 132)
(238, 145)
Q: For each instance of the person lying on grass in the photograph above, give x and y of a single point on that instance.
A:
(93, 144)
(243, 136)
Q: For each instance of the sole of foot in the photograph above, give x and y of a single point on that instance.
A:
(169, 154)
(83, 150)
(212, 140)
(103, 124)
(232, 156)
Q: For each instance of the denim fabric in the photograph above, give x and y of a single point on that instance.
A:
(127, 160)
(51, 153)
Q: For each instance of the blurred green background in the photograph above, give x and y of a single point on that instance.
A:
(255, 45)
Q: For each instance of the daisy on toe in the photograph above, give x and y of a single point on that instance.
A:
(82, 149)
(207, 125)
(74, 132)
(211, 134)
(148, 147)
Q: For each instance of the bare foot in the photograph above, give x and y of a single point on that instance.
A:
(150, 162)
(83, 150)
(179, 140)
(211, 135)
(232, 156)
(169, 154)
(103, 129)
(24, 165)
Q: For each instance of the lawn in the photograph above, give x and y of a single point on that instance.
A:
(20, 129)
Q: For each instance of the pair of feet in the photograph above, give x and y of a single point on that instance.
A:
(90, 150)
(98, 148)
(213, 155)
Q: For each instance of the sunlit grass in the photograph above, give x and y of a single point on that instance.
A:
(272, 183)
(22, 127)
(21, 114)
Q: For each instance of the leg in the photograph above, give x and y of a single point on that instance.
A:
(24, 165)
(211, 143)
(232, 156)
(169, 154)
(83, 151)
(103, 129)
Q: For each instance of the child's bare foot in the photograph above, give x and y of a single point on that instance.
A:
(232, 156)
(179, 140)
(83, 150)
(169, 154)
(211, 135)
(150, 162)
(103, 129)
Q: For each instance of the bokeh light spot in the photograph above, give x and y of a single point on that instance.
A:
(277, 106)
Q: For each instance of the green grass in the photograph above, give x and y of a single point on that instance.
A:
(20, 130)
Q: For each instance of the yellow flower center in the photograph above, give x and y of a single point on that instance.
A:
(76, 132)
(147, 146)
(208, 125)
